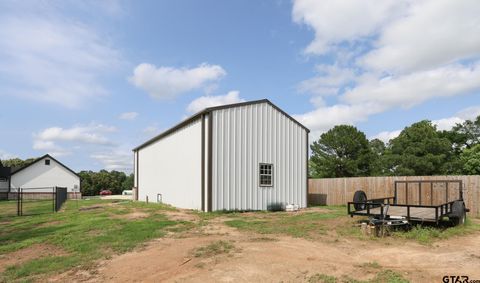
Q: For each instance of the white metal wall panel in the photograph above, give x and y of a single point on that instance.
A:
(39, 175)
(248, 135)
(171, 167)
(205, 195)
(135, 176)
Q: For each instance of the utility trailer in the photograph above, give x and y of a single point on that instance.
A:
(414, 201)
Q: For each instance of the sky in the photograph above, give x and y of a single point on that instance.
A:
(87, 81)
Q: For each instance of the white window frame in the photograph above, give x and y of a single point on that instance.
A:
(260, 174)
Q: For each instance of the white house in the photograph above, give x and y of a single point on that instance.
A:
(244, 156)
(38, 177)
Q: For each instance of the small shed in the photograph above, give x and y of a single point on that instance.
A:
(243, 156)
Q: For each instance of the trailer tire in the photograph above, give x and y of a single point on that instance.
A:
(359, 196)
(458, 214)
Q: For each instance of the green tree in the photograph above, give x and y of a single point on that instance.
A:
(467, 134)
(470, 158)
(419, 150)
(462, 136)
(341, 152)
(17, 162)
(377, 166)
(128, 183)
(93, 182)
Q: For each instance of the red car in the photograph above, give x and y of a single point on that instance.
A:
(105, 192)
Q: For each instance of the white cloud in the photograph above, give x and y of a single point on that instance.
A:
(328, 81)
(469, 113)
(210, 101)
(388, 54)
(430, 34)
(415, 88)
(325, 117)
(337, 21)
(89, 134)
(128, 116)
(386, 136)
(168, 82)
(447, 123)
(50, 147)
(115, 160)
(60, 141)
(47, 57)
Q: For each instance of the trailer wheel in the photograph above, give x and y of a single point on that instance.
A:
(458, 214)
(359, 196)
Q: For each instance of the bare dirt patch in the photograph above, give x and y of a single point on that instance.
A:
(100, 206)
(181, 215)
(134, 215)
(91, 207)
(29, 253)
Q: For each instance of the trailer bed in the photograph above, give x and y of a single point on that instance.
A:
(419, 213)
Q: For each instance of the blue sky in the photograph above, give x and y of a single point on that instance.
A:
(87, 81)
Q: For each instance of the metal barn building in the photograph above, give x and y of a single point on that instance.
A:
(244, 156)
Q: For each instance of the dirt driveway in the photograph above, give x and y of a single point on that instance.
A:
(270, 258)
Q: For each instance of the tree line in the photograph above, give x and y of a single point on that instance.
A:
(92, 183)
(419, 150)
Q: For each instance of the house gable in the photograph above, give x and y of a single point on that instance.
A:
(45, 171)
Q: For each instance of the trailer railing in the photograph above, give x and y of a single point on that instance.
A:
(440, 210)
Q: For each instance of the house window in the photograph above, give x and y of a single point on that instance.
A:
(47, 161)
(266, 175)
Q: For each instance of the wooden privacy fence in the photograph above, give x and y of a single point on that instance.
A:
(339, 191)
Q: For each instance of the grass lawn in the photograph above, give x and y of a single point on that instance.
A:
(301, 225)
(84, 231)
(333, 220)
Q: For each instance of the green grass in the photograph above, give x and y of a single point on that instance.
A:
(83, 235)
(322, 278)
(312, 224)
(384, 276)
(214, 248)
(427, 235)
(299, 225)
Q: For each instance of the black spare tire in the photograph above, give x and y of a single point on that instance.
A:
(359, 199)
(458, 215)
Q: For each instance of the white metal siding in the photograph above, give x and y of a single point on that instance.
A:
(206, 163)
(39, 175)
(248, 135)
(135, 175)
(171, 167)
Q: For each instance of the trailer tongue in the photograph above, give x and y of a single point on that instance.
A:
(413, 201)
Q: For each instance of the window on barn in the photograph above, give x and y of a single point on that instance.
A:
(47, 161)
(266, 175)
